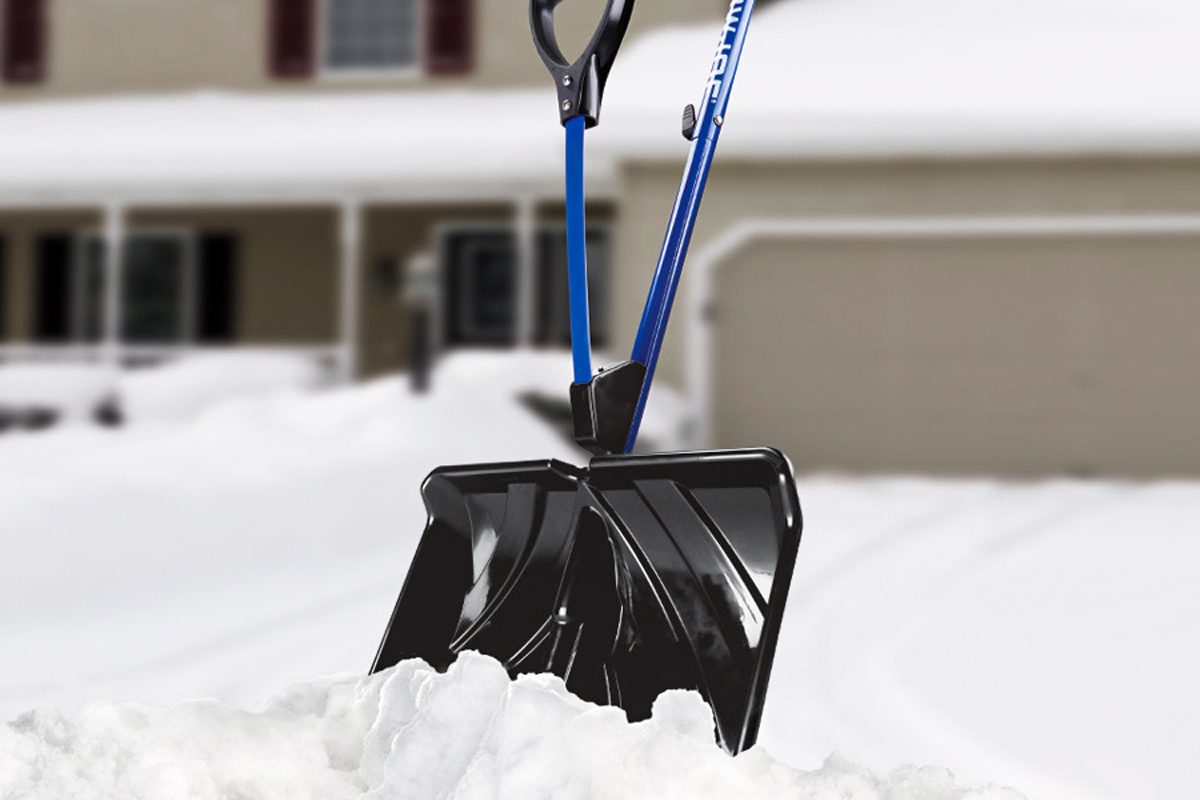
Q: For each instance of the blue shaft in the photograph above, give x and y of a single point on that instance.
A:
(581, 336)
(648, 344)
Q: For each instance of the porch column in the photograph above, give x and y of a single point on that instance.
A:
(113, 232)
(525, 230)
(350, 229)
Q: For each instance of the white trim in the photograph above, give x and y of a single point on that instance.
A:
(350, 251)
(699, 367)
(325, 72)
(113, 236)
(525, 233)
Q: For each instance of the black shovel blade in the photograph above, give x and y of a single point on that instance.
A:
(636, 575)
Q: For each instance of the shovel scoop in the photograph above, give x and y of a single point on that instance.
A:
(638, 573)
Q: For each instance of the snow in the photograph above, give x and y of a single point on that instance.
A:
(669, 421)
(855, 78)
(267, 146)
(412, 733)
(176, 391)
(74, 391)
(1028, 634)
(186, 388)
(820, 78)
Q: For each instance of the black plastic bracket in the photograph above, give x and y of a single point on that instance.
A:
(580, 83)
(689, 122)
(603, 408)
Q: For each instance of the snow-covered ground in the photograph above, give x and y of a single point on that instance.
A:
(1031, 635)
(412, 733)
(176, 392)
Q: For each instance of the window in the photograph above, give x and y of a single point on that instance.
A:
(176, 288)
(370, 35)
(157, 282)
(479, 272)
(67, 291)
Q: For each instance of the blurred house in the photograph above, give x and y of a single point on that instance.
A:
(941, 236)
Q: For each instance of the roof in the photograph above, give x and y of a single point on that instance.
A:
(820, 79)
(852, 78)
(457, 145)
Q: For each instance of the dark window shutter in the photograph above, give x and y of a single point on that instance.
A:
(217, 289)
(450, 36)
(293, 38)
(24, 45)
(53, 297)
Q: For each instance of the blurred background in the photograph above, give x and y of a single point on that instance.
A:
(264, 263)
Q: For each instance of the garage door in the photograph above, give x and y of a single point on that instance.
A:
(991, 355)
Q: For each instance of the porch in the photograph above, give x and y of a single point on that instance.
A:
(134, 284)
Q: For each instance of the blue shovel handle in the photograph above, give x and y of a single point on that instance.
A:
(608, 407)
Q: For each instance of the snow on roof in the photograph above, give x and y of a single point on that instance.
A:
(821, 78)
(426, 143)
(824, 78)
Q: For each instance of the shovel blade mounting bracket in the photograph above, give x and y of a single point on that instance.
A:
(603, 408)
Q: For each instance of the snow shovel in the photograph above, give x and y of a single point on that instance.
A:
(638, 573)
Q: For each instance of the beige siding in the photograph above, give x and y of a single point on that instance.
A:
(395, 235)
(739, 191)
(997, 356)
(288, 269)
(289, 278)
(100, 46)
(107, 46)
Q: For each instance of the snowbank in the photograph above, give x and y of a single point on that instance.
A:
(186, 388)
(412, 733)
(1027, 633)
(546, 374)
(175, 391)
(72, 391)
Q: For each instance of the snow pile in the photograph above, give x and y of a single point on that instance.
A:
(1021, 632)
(72, 391)
(186, 388)
(264, 541)
(546, 375)
(412, 733)
(176, 391)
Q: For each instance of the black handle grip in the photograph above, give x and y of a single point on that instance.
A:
(580, 83)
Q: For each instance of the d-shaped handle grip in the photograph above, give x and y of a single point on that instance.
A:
(580, 83)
